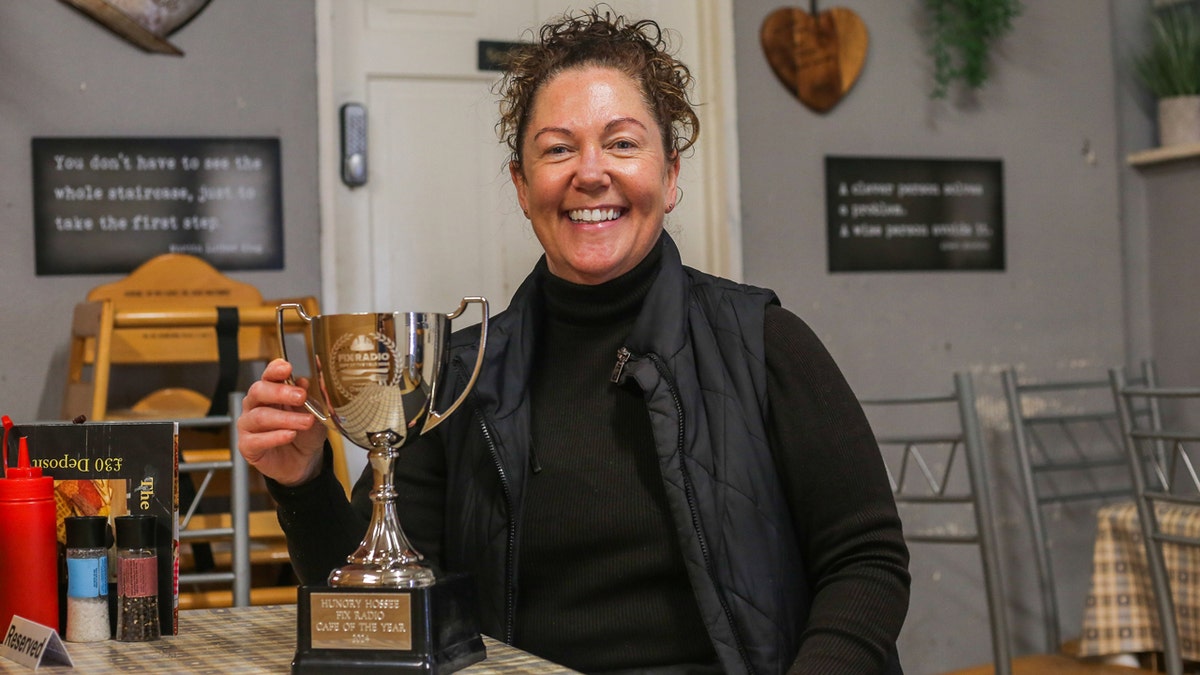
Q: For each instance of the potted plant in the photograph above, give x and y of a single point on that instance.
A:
(1169, 67)
(963, 32)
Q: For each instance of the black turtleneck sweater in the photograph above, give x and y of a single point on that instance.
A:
(598, 554)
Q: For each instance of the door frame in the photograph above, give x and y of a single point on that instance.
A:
(714, 73)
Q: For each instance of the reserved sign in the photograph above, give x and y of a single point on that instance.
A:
(28, 643)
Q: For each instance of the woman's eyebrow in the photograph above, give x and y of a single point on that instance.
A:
(553, 130)
(622, 120)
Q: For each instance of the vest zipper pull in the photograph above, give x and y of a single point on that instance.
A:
(534, 465)
(622, 356)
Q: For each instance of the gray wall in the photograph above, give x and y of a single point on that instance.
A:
(1060, 308)
(1061, 114)
(1174, 241)
(1059, 299)
(249, 70)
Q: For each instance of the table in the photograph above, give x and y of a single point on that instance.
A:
(242, 640)
(1120, 615)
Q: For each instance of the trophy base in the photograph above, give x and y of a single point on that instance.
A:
(432, 630)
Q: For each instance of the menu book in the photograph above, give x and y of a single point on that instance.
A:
(113, 469)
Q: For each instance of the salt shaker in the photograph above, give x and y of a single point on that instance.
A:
(137, 579)
(87, 578)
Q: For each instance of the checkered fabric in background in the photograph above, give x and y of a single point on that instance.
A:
(1120, 615)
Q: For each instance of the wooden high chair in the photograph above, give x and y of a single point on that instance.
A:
(171, 322)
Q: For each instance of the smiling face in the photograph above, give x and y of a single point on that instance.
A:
(595, 179)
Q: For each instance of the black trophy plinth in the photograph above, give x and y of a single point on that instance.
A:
(431, 630)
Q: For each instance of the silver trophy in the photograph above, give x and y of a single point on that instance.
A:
(379, 375)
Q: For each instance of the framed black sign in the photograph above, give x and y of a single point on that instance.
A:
(889, 214)
(104, 205)
(491, 54)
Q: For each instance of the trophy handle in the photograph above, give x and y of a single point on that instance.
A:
(283, 348)
(435, 417)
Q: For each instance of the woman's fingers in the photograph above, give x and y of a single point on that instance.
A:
(276, 433)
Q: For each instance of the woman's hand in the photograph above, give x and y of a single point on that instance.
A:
(276, 434)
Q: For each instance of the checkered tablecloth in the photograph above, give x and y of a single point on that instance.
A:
(1120, 615)
(241, 640)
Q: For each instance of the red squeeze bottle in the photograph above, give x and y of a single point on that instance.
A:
(28, 544)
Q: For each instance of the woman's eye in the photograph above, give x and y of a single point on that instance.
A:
(624, 145)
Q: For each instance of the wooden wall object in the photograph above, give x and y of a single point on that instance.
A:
(145, 23)
(817, 55)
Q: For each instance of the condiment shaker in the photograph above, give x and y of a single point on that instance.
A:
(87, 578)
(137, 579)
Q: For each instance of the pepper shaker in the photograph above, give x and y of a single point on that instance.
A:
(137, 579)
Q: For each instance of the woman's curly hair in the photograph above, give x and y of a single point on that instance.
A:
(639, 49)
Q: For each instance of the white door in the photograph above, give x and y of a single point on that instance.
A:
(438, 218)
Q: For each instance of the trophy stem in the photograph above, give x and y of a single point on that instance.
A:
(385, 558)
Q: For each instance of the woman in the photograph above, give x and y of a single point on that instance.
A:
(658, 470)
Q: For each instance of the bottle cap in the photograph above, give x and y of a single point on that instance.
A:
(23, 469)
(22, 483)
(87, 531)
(135, 531)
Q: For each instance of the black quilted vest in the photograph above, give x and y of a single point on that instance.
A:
(697, 353)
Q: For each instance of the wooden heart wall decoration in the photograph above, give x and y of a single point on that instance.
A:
(145, 23)
(817, 55)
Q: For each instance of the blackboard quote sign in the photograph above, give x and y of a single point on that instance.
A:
(889, 214)
(106, 205)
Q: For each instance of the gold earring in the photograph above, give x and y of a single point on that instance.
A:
(678, 197)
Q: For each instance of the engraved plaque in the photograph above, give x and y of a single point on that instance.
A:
(428, 630)
(361, 621)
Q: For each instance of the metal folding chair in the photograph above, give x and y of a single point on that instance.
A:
(934, 452)
(1069, 451)
(1162, 453)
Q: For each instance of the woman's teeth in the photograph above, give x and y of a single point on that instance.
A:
(593, 215)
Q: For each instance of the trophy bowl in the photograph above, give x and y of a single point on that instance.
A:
(379, 375)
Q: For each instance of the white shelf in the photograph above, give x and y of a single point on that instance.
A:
(1168, 154)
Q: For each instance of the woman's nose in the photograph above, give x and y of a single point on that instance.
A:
(592, 171)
